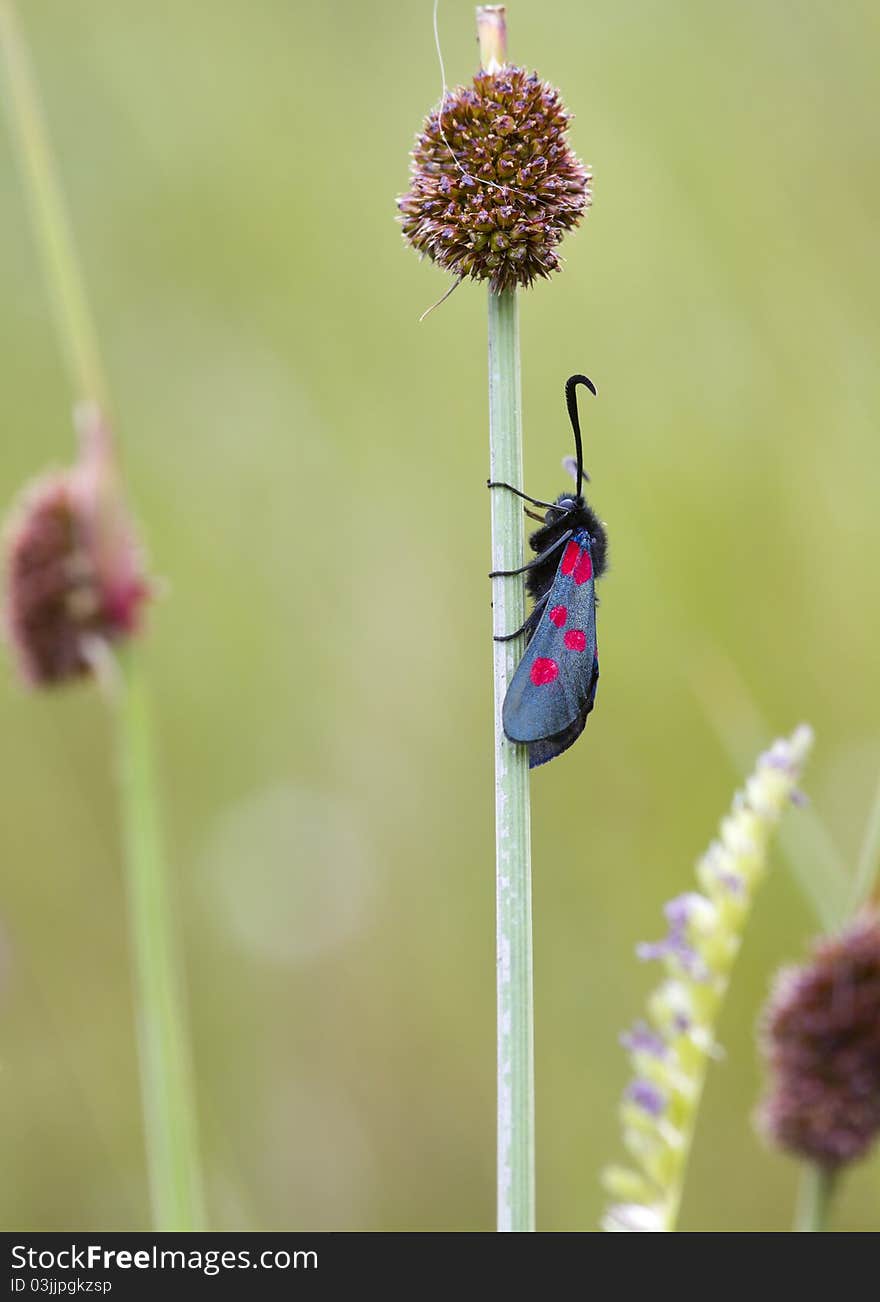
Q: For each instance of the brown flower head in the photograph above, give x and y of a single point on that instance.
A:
(821, 1040)
(495, 185)
(74, 572)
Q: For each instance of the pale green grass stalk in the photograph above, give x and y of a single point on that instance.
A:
(868, 866)
(814, 1200)
(166, 1085)
(76, 330)
(516, 1072)
(515, 1044)
(815, 862)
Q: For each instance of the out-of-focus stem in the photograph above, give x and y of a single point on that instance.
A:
(76, 329)
(167, 1095)
(868, 866)
(814, 1200)
(163, 1042)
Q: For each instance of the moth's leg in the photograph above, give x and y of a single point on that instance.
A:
(535, 501)
(532, 618)
(530, 565)
(533, 515)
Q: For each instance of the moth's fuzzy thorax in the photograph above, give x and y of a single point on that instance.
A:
(556, 521)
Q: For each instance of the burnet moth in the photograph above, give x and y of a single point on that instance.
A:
(554, 686)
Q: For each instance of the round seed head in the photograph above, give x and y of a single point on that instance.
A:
(74, 571)
(494, 184)
(821, 1040)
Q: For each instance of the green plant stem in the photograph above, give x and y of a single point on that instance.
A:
(814, 1200)
(169, 1112)
(816, 864)
(868, 865)
(513, 869)
(76, 328)
(516, 1073)
(166, 1077)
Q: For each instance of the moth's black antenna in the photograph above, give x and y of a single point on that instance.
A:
(571, 385)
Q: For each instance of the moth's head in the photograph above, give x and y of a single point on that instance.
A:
(563, 506)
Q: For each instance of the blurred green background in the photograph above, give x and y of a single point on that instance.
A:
(308, 463)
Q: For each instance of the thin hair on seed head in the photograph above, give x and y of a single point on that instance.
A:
(442, 299)
(443, 93)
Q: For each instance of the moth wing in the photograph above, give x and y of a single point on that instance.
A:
(540, 752)
(554, 685)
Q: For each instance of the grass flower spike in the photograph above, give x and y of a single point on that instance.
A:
(495, 185)
(671, 1050)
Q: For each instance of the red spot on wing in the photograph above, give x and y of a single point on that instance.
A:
(544, 671)
(558, 615)
(569, 560)
(576, 639)
(584, 568)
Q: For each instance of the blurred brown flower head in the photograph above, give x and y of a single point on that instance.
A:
(494, 184)
(74, 571)
(821, 1040)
